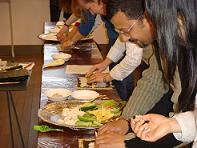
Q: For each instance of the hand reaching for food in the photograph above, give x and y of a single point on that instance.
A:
(99, 77)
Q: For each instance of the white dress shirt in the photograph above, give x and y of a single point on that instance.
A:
(129, 63)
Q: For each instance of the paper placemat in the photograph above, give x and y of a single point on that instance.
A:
(80, 69)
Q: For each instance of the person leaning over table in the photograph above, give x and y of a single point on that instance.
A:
(95, 8)
(183, 124)
(132, 54)
(187, 69)
(146, 94)
(82, 10)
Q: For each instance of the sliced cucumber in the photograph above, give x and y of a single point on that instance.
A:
(88, 106)
(110, 103)
(97, 124)
(87, 118)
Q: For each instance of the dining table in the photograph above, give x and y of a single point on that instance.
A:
(56, 77)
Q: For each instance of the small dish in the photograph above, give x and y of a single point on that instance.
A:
(85, 95)
(48, 36)
(54, 63)
(63, 56)
(58, 94)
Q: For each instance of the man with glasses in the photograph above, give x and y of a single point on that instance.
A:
(132, 59)
(151, 93)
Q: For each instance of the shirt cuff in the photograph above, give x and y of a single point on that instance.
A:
(188, 128)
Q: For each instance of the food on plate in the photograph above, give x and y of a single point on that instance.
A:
(79, 115)
(51, 36)
(62, 56)
(55, 63)
(88, 106)
(98, 114)
(57, 95)
(90, 114)
(71, 115)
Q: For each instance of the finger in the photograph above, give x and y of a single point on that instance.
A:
(91, 79)
(66, 45)
(91, 71)
(64, 38)
(132, 124)
(59, 37)
(103, 129)
(137, 125)
(100, 139)
(142, 128)
(146, 135)
(99, 70)
(147, 117)
(104, 138)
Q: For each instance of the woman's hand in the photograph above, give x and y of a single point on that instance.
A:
(110, 140)
(62, 33)
(152, 127)
(66, 44)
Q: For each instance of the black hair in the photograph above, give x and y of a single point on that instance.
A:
(132, 8)
(187, 54)
(177, 51)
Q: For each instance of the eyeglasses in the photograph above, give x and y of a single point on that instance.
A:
(126, 31)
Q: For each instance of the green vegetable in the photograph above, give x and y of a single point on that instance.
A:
(83, 124)
(117, 114)
(97, 124)
(87, 118)
(115, 110)
(45, 128)
(88, 106)
(109, 103)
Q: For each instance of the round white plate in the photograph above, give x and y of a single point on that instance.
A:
(85, 94)
(57, 94)
(49, 36)
(62, 56)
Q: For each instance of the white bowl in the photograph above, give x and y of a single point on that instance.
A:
(57, 94)
(85, 94)
(63, 56)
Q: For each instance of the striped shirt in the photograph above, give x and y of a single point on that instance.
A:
(149, 90)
